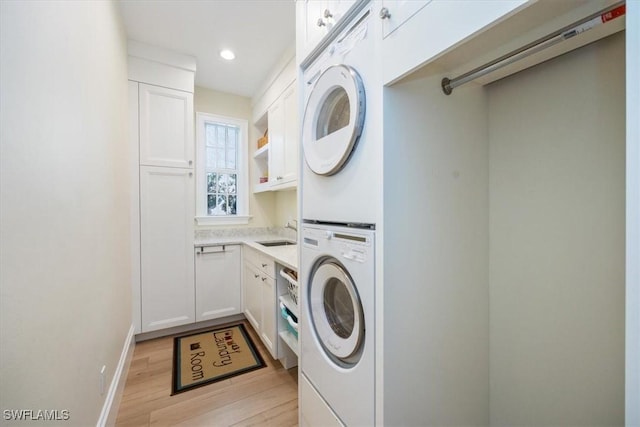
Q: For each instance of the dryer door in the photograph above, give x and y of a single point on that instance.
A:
(337, 318)
(333, 119)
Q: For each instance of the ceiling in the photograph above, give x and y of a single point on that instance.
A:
(258, 31)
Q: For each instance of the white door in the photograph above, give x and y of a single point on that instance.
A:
(337, 319)
(276, 142)
(316, 25)
(166, 127)
(291, 134)
(252, 296)
(333, 119)
(218, 289)
(394, 13)
(269, 311)
(166, 237)
(284, 138)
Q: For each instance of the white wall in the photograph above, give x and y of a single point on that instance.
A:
(632, 395)
(64, 269)
(436, 307)
(286, 207)
(557, 203)
(261, 205)
(504, 246)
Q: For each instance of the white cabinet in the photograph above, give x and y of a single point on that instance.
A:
(260, 297)
(284, 139)
(415, 32)
(218, 287)
(252, 295)
(166, 127)
(279, 158)
(166, 241)
(394, 13)
(163, 187)
(317, 17)
(268, 332)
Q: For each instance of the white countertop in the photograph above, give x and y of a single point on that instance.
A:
(285, 255)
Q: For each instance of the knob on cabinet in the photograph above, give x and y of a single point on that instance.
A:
(320, 22)
(384, 13)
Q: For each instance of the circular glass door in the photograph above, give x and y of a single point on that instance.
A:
(333, 119)
(336, 313)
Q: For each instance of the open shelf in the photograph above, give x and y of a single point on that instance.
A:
(291, 340)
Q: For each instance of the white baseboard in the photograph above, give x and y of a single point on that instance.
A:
(112, 402)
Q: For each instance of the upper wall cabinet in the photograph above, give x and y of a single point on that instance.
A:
(416, 32)
(317, 17)
(402, 11)
(166, 127)
(284, 140)
(278, 160)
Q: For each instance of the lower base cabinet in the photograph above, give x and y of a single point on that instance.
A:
(218, 287)
(260, 297)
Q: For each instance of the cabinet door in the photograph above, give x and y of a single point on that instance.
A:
(252, 296)
(270, 306)
(399, 12)
(166, 238)
(315, 24)
(166, 127)
(218, 289)
(291, 135)
(276, 142)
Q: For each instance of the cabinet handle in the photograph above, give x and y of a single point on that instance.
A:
(190, 174)
(279, 178)
(320, 22)
(384, 13)
(327, 13)
(264, 265)
(190, 162)
(264, 279)
(255, 276)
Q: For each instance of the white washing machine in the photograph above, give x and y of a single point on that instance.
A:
(339, 173)
(337, 319)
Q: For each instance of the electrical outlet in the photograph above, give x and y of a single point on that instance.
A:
(102, 379)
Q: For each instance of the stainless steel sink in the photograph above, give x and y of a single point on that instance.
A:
(277, 243)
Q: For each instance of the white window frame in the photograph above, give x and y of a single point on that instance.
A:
(242, 204)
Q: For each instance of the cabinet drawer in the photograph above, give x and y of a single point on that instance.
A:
(262, 262)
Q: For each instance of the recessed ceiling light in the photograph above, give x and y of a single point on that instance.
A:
(227, 54)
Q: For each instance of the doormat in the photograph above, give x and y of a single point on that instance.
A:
(215, 355)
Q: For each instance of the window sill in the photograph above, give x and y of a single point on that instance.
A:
(223, 220)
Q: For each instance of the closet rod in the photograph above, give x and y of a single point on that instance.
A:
(605, 15)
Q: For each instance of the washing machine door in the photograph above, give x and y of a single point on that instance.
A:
(336, 313)
(333, 119)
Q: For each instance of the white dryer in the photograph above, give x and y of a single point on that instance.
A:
(339, 174)
(337, 319)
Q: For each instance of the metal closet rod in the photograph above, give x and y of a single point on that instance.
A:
(605, 15)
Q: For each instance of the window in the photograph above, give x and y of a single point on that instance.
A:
(222, 187)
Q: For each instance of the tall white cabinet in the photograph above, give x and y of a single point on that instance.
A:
(163, 196)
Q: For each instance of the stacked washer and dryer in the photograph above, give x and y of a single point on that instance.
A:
(338, 209)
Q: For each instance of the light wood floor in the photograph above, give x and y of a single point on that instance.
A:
(265, 397)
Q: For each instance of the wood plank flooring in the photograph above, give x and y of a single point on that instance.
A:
(265, 397)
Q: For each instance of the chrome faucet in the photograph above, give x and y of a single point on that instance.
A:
(291, 226)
